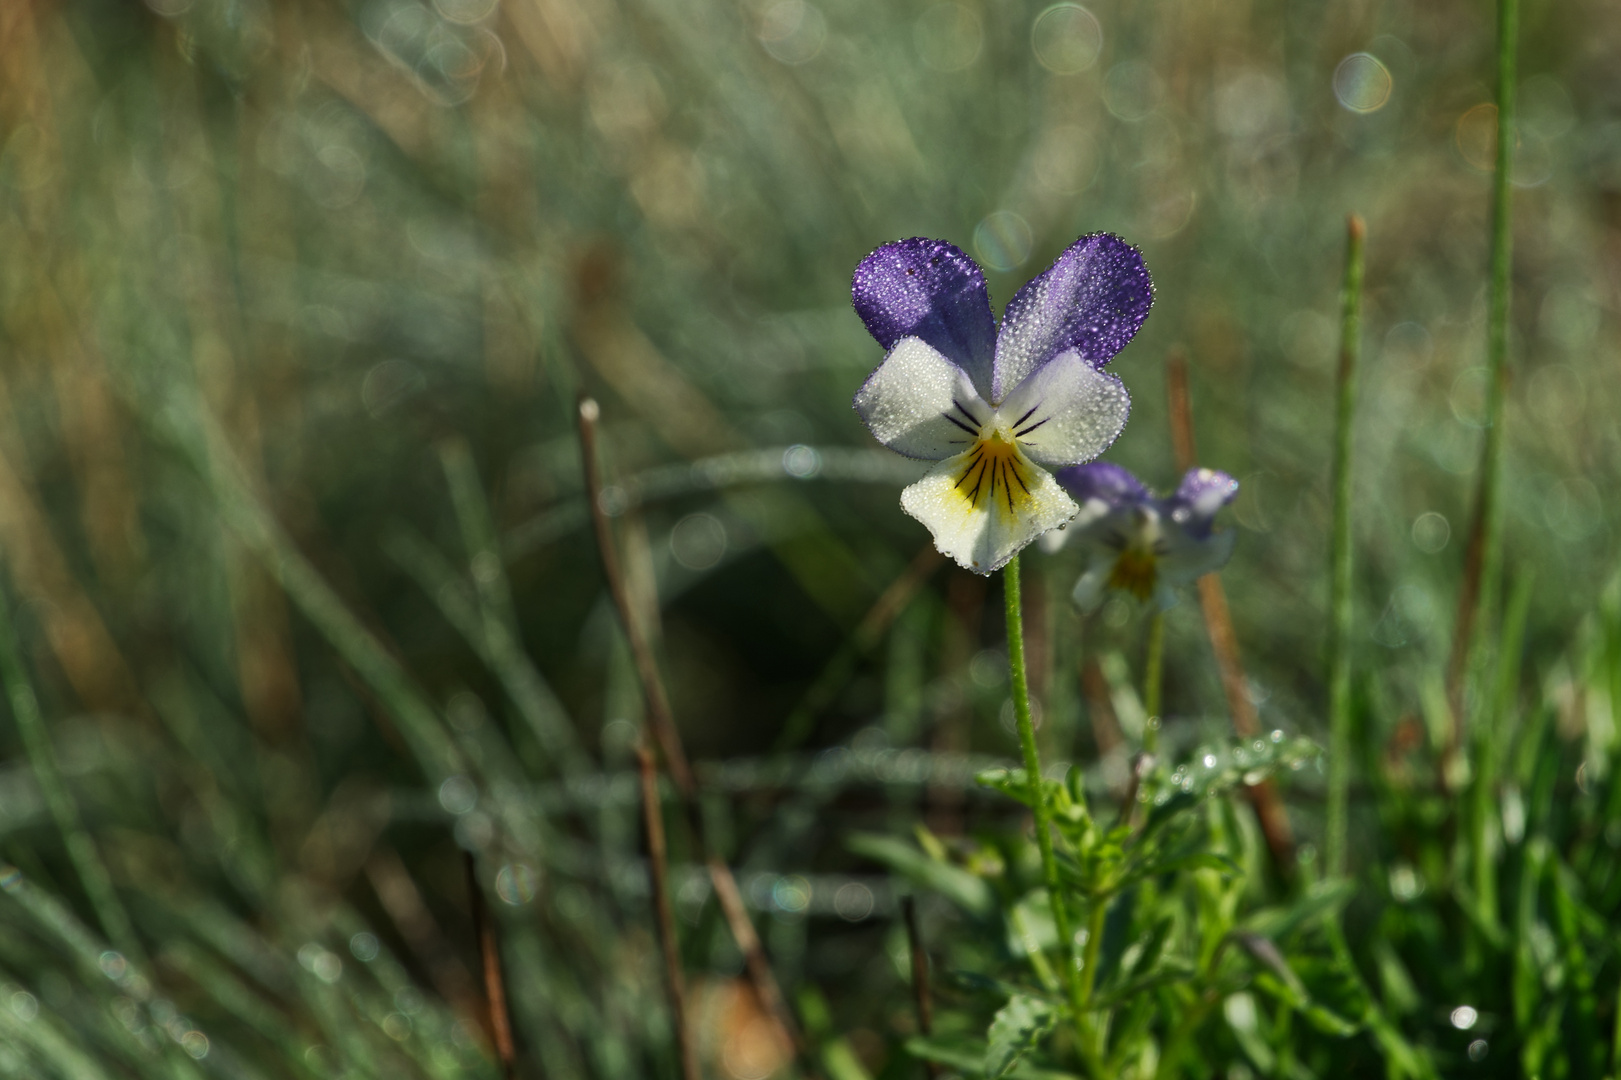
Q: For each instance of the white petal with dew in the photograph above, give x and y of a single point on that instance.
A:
(1067, 411)
(976, 517)
(909, 403)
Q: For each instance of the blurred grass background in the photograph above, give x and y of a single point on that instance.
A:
(295, 302)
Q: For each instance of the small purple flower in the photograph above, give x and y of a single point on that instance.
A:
(1138, 542)
(997, 409)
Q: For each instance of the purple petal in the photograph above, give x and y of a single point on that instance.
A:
(1203, 492)
(931, 290)
(1092, 299)
(1102, 480)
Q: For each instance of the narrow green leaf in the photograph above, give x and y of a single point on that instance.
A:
(965, 890)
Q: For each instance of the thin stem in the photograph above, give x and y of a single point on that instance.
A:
(1508, 18)
(1339, 627)
(1032, 771)
(495, 985)
(1153, 681)
(1482, 573)
(662, 721)
(87, 861)
(920, 979)
(664, 914)
(1094, 944)
(1269, 809)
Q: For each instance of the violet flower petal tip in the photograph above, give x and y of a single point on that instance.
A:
(931, 290)
(1093, 299)
(1113, 484)
(1206, 490)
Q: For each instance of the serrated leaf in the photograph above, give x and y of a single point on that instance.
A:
(1018, 1026)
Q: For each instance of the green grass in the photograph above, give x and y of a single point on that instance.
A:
(296, 302)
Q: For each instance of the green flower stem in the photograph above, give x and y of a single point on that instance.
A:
(1094, 942)
(1339, 627)
(1153, 677)
(1038, 802)
(1491, 464)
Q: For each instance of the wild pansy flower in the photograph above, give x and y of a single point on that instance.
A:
(1140, 543)
(997, 408)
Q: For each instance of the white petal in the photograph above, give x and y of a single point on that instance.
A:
(975, 515)
(1066, 412)
(920, 404)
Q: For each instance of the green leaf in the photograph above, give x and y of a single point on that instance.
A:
(1018, 1026)
(967, 1056)
(1323, 898)
(974, 982)
(965, 890)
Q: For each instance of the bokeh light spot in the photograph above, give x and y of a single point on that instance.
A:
(853, 901)
(793, 31)
(948, 37)
(195, 1043)
(1468, 397)
(1545, 108)
(1002, 241)
(1131, 90)
(1431, 531)
(1464, 1017)
(1067, 39)
(24, 1005)
(466, 12)
(1362, 83)
(516, 883)
(458, 795)
(698, 541)
(364, 946)
(1476, 136)
(1065, 161)
(1573, 509)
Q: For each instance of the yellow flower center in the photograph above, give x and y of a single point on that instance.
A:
(1134, 572)
(995, 475)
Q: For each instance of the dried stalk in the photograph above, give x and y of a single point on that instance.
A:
(662, 722)
(1218, 621)
(658, 861)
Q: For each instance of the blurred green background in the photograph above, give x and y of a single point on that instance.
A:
(296, 300)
